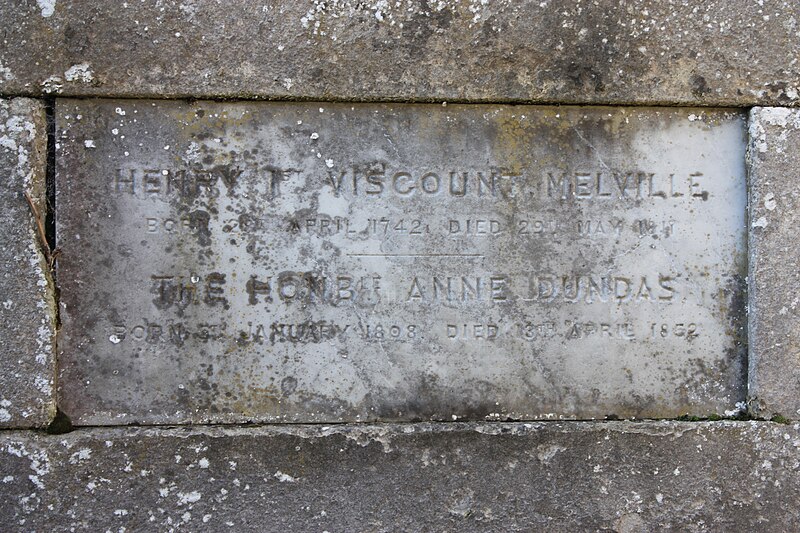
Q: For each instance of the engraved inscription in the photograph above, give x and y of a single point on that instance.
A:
(399, 262)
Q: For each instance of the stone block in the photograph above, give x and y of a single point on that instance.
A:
(27, 311)
(774, 279)
(234, 262)
(617, 476)
(725, 52)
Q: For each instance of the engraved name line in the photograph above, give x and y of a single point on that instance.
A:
(309, 287)
(380, 181)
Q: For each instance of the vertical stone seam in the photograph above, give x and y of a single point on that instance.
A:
(752, 247)
(59, 422)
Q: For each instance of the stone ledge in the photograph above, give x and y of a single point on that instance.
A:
(623, 476)
(640, 52)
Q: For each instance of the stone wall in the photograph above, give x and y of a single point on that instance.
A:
(705, 458)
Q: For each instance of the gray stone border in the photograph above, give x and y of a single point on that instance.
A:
(27, 311)
(774, 266)
(621, 476)
(641, 52)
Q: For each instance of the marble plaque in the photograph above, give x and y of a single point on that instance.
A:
(318, 262)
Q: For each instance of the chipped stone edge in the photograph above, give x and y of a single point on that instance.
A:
(391, 438)
(34, 175)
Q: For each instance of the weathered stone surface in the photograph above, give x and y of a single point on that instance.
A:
(230, 262)
(774, 282)
(27, 324)
(724, 52)
(722, 476)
